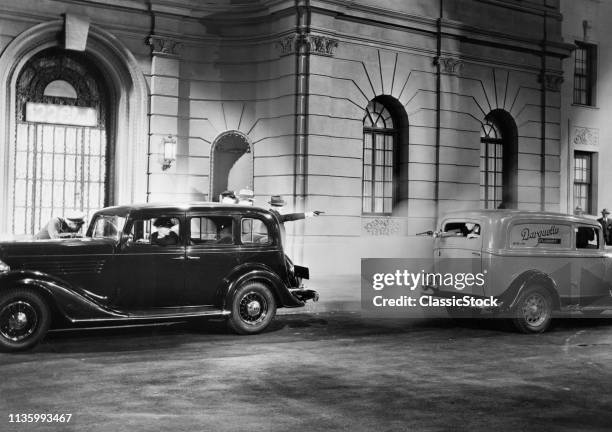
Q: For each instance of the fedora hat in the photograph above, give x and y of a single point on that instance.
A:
(75, 216)
(277, 201)
(165, 222)
(246, 193)
(605, 211)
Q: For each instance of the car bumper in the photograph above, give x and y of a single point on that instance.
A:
(304, 295)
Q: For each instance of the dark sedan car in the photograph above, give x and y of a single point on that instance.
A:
(149, 263)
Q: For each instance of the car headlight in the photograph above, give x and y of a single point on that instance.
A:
(4, 267)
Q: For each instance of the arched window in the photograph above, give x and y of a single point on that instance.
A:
(380, 135)
(491, 165)
(498, 161)
(60, 157)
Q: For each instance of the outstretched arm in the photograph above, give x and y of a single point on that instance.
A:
(297, 216)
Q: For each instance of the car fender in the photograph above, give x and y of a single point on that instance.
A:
(256, 272)
(63, 298)
(530, 277)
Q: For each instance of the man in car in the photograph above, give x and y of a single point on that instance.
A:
(164, 236)
(62, 227)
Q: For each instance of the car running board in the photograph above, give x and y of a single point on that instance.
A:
(179, 312)
(158, 314)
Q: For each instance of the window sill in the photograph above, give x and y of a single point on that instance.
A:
(591, 107)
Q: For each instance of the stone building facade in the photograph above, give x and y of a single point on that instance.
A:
(586, 109)
(384, 114)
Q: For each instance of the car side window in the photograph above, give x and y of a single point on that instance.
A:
(211, 230)
(108, 226)
(156, 231)
(462, 229)
(587, 237)
(254, 231)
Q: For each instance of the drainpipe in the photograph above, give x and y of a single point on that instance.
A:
(302, 70)
(151, 32)
(543, 119)
(438, 108)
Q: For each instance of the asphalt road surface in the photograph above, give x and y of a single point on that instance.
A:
(317, 372)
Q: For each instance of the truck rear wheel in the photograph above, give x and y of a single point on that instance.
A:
(24, 319)
(533, 311)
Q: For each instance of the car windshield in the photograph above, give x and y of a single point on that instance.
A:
(108, 226)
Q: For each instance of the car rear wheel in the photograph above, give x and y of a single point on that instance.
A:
(253, 308)
(533, 311)
(24, 319)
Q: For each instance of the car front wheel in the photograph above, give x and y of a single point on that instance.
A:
(24, 319)
(533, 311)
(253, 308)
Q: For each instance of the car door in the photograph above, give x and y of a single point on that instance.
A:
(458, 250)
(211, 254)
(151, 274)
(588, 266)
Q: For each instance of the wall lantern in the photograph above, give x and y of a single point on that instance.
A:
(168, 151)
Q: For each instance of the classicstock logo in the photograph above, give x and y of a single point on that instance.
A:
(415, 287)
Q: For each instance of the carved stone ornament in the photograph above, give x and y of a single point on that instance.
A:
(583, 136)
(164, 46)
(321, 45)
(552, 82)
(449, 65)
(287, 45)
(382, 226)
(318, 45)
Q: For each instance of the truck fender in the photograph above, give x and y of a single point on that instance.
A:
(526, 279)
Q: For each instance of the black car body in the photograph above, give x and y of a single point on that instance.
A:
(228, 261)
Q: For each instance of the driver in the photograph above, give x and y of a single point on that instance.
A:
(164, 236)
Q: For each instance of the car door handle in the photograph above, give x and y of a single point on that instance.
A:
(181, 258)
(476, 253)
(193, 257)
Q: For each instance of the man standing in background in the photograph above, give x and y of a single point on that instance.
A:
(606, 225)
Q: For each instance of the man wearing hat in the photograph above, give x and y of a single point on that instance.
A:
(164, 236)
(228, 197)
(606, 225)
(277, 202)
(246, 197)
(62, 227)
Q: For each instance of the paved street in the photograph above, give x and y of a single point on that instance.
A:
(317, 372)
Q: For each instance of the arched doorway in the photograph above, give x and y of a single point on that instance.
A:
(231, 163)
(61, 150)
